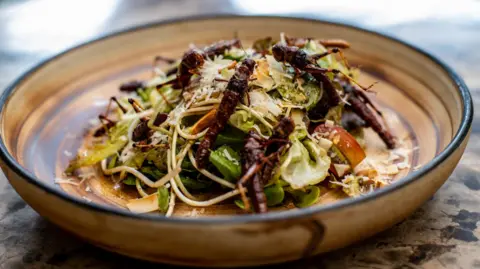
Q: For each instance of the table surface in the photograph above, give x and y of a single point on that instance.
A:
(443, 233)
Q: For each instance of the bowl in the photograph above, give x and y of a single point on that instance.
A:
(45, 112)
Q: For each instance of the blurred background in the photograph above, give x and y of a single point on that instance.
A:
(434, 237)
(31, 30)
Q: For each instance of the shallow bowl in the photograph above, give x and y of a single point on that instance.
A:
(46, 111)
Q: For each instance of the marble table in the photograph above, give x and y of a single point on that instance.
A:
(443, 233)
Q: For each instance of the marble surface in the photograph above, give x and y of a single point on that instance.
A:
(443, 233)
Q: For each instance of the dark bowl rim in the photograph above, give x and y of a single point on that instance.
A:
(460, 135)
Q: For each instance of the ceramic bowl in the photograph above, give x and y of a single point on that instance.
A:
(45, 113)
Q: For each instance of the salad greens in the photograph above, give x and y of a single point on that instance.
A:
(234, 99)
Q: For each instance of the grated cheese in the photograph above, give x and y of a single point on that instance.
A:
(341, 169)
(158, 137)
(176, 114)
(391, 169)
(261, 102)
(209, 72)
(403, 154)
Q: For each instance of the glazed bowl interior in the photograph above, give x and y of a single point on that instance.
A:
(47, 112)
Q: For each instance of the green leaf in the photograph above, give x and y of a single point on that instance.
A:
(239, 203)
(305, 198)
(227, 161)
(230, 136)
(143, 95)
(274, 194)
(152, 172)
(195, 184)
(158, 156)
(163, 199)
(187, 166)
(112, 162)
(130, 180)
(241, 120)
(314, 93)
(136, 160)
(237, 54)
(305, 163)
(335, 114)
(282, 183)
(99, 152)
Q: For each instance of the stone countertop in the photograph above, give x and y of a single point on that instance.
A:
(443, 233)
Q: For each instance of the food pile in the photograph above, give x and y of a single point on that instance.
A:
(259, 127)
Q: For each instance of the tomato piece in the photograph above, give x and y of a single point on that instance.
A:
(344, 142)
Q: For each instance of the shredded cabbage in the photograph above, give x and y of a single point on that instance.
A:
(304, 164)
(98, 152)
(241, 120)
(261, 102)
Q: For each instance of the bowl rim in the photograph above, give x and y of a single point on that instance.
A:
(459, 137)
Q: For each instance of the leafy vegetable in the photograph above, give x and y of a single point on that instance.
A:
(335, 114)
(152, 172)
(98, 152)
(274, 194)
(261, 102)
(143, 95)
(239, 203)
(235, 54)
(264, 45)
(230, 136)
(314, 93)
(283, 82)
(241, 120)
(158, 156)
(300, 134)
(227, 161)
(279, 73)
(130, 180)
(157, 99)
(136, 160)
(195, 184)
(163, 199)
(293, 94)
(304, 164)
(187, 166)
(304, 198)
(112, 162)
(353, 183)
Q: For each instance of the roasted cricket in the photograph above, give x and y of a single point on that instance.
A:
(236, 89)
(270, 126)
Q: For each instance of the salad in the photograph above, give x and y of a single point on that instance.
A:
(259, 127)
